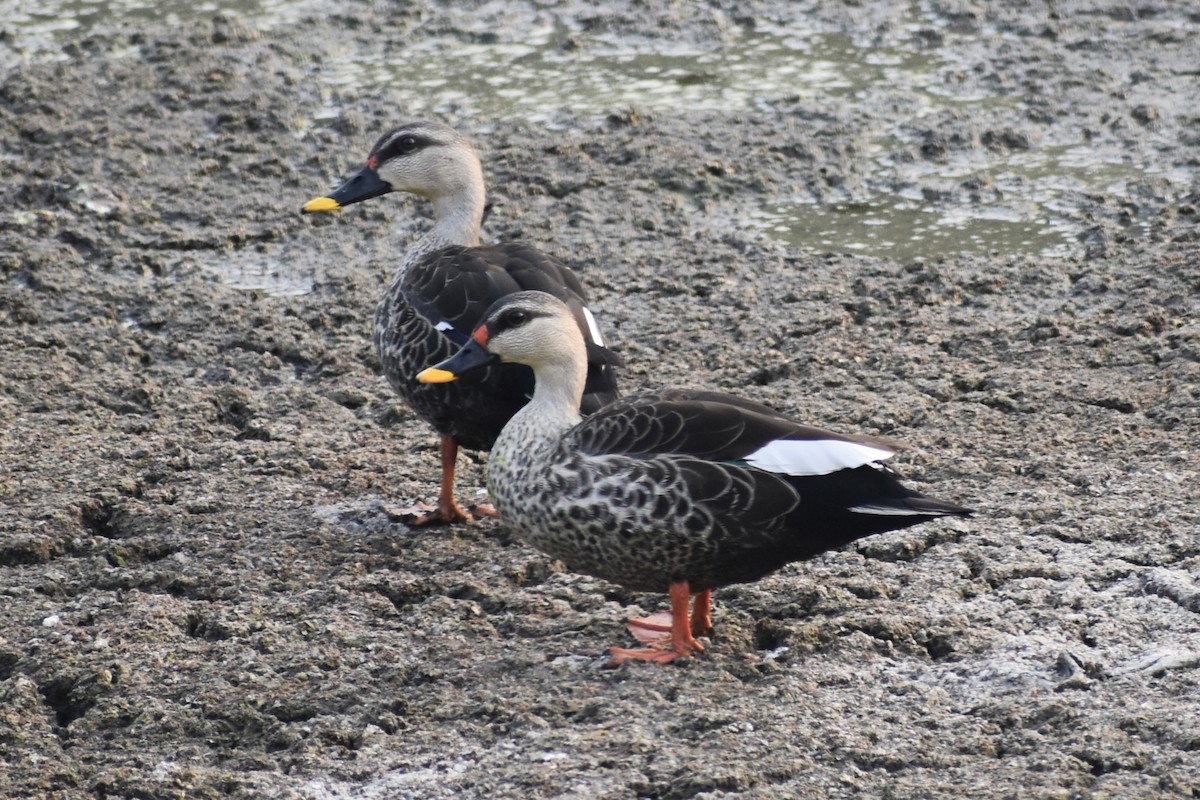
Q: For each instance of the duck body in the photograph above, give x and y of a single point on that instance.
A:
(431, 308)
(656, 490)
(682, 492)
(442, 289)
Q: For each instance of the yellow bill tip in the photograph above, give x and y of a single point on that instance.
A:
(435, 375)
(319, 204)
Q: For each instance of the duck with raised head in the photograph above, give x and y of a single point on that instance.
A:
(683, 492)
(442, 289)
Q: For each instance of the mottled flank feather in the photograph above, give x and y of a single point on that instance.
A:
(647, 492)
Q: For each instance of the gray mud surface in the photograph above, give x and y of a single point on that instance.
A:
(202, 591)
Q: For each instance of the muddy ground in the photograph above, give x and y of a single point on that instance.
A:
(202, 593)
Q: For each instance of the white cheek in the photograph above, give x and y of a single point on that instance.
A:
(814, 456)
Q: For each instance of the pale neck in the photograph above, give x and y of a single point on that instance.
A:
(556, 397)
(457, 217)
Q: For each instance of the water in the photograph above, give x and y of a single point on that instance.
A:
(270, 273)
(40, 28)
(1019, 201)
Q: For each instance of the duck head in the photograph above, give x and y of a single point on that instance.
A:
(424, 158)
(531, 328)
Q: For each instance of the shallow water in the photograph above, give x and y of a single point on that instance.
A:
(272, 274)
(556, 74)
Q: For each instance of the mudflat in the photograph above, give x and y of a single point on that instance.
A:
(205, 592)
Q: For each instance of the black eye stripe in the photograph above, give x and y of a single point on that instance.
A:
(393, 145)
(512, 318)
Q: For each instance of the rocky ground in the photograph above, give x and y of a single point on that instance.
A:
(203, 594)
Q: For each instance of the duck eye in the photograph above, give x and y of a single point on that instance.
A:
(408, 143)
(515, 317)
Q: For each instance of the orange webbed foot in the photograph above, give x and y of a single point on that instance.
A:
(654, 628)
(447, 510)
(658, 655)
(669, 634)
(422, 513)
(484, 510)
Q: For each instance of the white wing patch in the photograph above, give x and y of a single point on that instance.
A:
(889, 511)
(444, 326)
(592, 327)
(814, 456)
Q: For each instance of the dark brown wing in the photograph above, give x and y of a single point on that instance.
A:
(453, 288)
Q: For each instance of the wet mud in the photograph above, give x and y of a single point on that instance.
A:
(203, 592)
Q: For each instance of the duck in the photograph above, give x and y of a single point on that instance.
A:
(680, 492)
(439, 293)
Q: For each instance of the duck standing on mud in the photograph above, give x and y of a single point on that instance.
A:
(443, 287)
(683, 492)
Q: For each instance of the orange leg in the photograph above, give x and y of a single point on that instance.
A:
(656, 628)
(682, 642)
(702, 614)
(448, 509)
